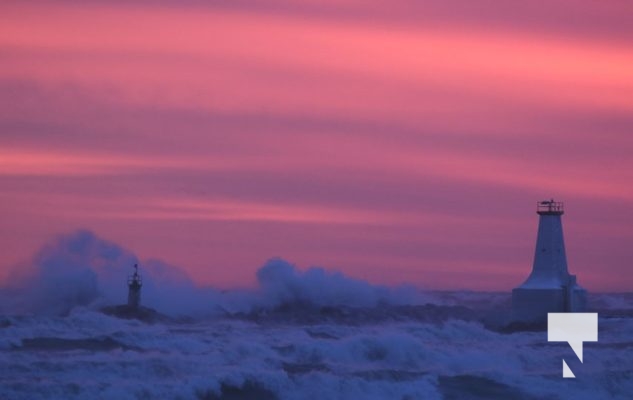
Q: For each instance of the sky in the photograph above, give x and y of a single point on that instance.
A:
(397, 142)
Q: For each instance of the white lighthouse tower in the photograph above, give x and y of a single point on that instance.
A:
(550, 287)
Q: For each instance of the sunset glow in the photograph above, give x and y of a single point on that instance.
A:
(398, 143)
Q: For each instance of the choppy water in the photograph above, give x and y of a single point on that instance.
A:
(415, 352)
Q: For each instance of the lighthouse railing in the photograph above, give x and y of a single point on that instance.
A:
(549, 206)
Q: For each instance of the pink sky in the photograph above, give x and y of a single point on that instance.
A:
(394, 141)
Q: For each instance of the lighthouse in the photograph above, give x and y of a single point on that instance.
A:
(134, 283)
(133, 309)
(550, 287)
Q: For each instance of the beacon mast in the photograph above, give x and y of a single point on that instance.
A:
(134, 283)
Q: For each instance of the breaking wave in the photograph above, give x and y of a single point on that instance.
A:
(81, 269)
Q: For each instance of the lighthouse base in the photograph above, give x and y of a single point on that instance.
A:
(140, 313)
(533, 304)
